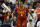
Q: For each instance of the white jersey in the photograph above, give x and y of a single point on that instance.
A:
(38, 24)
(30, 17)
(30, 25)
(4, 6)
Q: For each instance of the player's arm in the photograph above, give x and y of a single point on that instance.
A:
(14, 13)
(29, 12)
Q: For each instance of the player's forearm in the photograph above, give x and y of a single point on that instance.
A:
(13, 15)
(31, 14)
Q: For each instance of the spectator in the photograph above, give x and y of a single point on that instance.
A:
(6, 7)
(1, 15)
(26, 4)
(12, 8)
(34, 4)
(5, 1)
(5, 16)
(14, 21)
(7, 22)
(30, 24)
(30, 7)
(39, 4)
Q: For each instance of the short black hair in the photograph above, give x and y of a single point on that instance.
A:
(30, 19)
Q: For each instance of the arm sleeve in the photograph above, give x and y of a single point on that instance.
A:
(27, 9)
(15, 10)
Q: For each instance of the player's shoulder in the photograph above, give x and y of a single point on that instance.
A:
(25, 7)
(16, 7)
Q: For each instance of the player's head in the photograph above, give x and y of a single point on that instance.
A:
(20, 4)
(30, 6)
(30, 20)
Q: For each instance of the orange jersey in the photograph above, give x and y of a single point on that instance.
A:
(21, 12)
(38, 13)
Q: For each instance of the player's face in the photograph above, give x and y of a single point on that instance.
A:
(30, 21)
(30, 7)
(21, 4)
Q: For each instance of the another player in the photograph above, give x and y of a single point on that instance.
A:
(22, 17)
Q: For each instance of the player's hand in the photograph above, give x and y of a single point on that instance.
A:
(32, 18)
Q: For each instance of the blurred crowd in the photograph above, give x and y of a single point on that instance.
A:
(6, 14)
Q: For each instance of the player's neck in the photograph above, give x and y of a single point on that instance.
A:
(21, 7)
